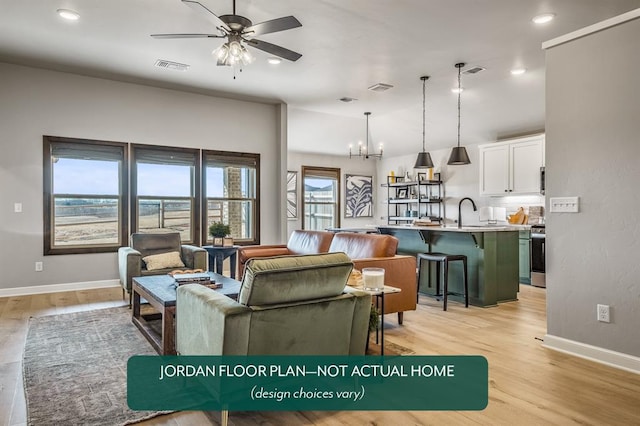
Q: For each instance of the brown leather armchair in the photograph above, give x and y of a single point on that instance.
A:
(379, 251)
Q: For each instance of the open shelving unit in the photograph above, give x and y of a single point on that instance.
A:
(411, 200)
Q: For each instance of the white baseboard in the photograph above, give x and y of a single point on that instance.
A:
(593, 353)
(57, 288)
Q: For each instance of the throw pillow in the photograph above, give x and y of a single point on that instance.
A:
(163, 261)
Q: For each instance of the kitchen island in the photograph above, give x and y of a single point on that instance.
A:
(492, 259)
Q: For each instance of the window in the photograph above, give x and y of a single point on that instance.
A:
(88, 207)
(164, 185)
(320, 200)
(231, 181)
(85, 195)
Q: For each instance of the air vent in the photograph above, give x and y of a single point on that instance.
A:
(347, 99)
(161, 63)
(474, 70)
(380, 87)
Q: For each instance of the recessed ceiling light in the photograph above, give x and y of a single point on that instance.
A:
(456, 90)
(70, 15)
(274, 60)
(518, 71)
(544, 18)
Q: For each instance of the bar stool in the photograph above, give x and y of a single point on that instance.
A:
(445, 259)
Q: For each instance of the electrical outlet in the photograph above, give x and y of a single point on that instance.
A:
(603, 313)
(39, 266)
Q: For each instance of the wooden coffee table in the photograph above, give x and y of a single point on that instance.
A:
(159, 291)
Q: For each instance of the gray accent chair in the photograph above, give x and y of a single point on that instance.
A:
(130, 263)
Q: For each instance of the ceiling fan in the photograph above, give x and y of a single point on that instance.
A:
(239, 31)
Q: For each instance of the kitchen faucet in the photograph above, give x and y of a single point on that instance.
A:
(460, 208)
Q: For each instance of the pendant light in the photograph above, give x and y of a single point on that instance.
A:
(459, 153)
(424, 158)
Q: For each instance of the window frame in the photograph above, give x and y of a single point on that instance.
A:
(195, 197)
(49, 198)
(238, 157)
(329, 172)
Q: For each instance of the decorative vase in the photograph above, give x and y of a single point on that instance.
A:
(407, 178)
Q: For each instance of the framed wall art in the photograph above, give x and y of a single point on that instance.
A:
(292, 195)
(358, 196)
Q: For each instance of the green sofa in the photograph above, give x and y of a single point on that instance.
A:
(288, 305)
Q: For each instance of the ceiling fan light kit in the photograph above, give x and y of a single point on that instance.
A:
(424, 158)
(239, 32)
(459, 154)
(363, 151)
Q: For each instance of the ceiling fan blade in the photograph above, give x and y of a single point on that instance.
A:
(200, 8)
(187, 36)
(275, 50)
(273, 26)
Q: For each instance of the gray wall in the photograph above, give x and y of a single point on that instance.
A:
(36, 102)
(353, 166)
(592, 151)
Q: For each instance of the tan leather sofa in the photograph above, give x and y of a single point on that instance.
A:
(365, 250)
(300, 242)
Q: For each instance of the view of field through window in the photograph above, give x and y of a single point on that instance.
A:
(86, 201)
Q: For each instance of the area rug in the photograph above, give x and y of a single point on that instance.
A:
(75, 368)
(397, 349)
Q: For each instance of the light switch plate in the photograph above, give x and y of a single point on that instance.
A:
(17, 207)
(564, 204)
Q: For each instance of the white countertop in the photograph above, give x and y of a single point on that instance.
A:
(465, 228)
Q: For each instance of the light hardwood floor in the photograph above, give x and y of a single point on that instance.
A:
(529, 385)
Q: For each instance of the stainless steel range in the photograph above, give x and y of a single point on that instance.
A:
(538, 250)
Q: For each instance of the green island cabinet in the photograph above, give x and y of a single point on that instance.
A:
(492, 260)
(524, 243)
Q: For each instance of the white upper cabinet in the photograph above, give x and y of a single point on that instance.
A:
(511, 167)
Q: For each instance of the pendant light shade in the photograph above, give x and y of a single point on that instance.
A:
(459, 154)
(424, 158)
(423, 161)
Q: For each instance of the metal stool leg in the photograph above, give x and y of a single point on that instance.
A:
(445, 286)
(466, 283)
(419, 276)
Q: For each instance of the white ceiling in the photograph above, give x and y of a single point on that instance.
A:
(347, 46)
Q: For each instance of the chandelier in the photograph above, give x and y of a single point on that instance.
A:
(363, 150)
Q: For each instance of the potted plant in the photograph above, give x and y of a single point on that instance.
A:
(218, 231)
